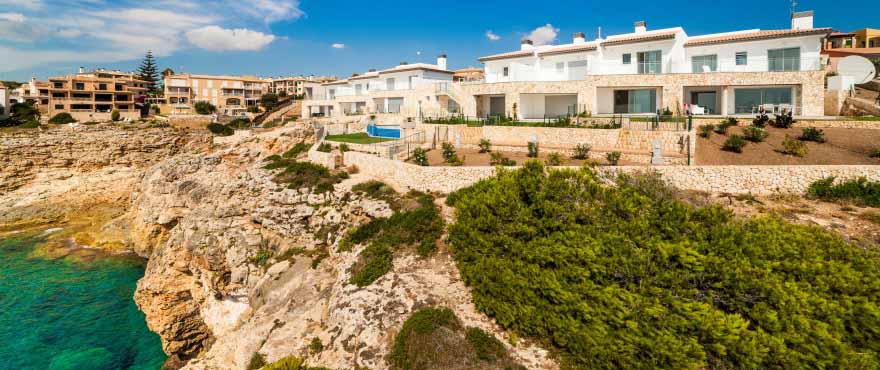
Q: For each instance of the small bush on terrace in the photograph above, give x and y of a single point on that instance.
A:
(239, 124)
(378, 190)
(792, 146)
(114, 115)
(613, 157)
(448, 151)
(761, 120)
(755, 134)
(582, 151)
(498, 159)
(875, 153)
(859, 191)
(344, 148)
(706, 131)
(554, 159)
(485, 146)
(734, 143)
(812, 134)
(434, 338)
(533, 149)
(62, 118)
(630, 277)
(419, 227)
(784, 120)
(325, 147)
(722, 127)
(420, 156)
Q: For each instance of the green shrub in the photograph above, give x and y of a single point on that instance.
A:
(297, 175)
(859, 191)
(488, 347)
(554, 159)
(448, 151)
(784, 120)
(755, 134)
(269, 101)
(582, 151)
(325, 147)
(315, 346)
(456, 161)
(706, 130)
(261, 258)
(420, 156)
(812, 134)
(257, 361)
(629, 277)
(114, 115)
(792, 146)
(61, 119)
(498, 159)
(734, 143)
(875, 153)
(344, 148)
(253, 109)
(29, 124)
(422, 322)
(21, 113)
(485, 146)
(613, 157)
(291, 363)
(533, 149)
(203, 107)
(239, 124)
(297, 149)
(761, 120)
(420, 227)
(722, 127)
(220, 130)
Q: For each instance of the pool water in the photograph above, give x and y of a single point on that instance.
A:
(390, 132)
(65, 313)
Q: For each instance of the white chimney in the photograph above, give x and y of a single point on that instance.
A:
(802, 20)
(641, 27)
(441, 61)
(579, 38)
(526, 44)
(82, 70)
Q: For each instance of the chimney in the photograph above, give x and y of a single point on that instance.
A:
(579, 38)
(82, 70)
(641, 27)
(526, 44)
(403, 63)
(372, 70)
(802, 20)
(599, 37)
(441, 61)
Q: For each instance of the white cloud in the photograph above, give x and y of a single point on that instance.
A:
(338, 46)
(270, 10)
(215, 38)
(543, 35)
(12, 17)
(492, 36)
(22, 4)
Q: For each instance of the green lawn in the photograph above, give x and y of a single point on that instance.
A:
(358, 138)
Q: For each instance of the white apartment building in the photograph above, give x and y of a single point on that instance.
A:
(232, 95)
(409, 89)
(5, 106)
(646, 70)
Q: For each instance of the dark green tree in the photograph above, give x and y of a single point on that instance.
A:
(149, 72)
(269, 101)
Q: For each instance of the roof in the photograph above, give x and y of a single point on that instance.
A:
(510, 55)
(842, 34)
(415, 67)
(566, 49)
(364, 76)
(468, 70)
(755, 36)
(640, 37)
(218, 77)
(337, 82)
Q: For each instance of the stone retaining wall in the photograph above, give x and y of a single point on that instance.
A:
(757, 180)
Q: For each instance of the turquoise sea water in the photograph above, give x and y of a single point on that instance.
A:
(70, 313)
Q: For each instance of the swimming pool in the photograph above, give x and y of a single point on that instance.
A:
(388, 132)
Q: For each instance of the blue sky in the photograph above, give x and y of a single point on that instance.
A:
(340, 37)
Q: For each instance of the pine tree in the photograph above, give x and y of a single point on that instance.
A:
(148, 72)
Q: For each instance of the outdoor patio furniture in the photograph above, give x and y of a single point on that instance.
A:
(696, 109)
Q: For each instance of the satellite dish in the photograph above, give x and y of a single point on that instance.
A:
(859, 68)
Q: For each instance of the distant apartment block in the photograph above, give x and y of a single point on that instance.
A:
(306, 87)
(470, 74)
(232, 95)
(92, 95)
(731, 73)
(4, 102)
(861, 39)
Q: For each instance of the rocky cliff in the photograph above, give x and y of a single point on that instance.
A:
(239, 264)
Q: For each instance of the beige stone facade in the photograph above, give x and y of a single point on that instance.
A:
(93, 96)
(232, 95)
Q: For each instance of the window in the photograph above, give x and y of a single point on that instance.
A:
(635, 101)
(332, 94)
(79, 86)
(119, 87)
(780, 60)
(627, 58)
(577, 70)
(102, 87)
(505, 72)
(650, 62)
(357, 89)
(389, 84)
(560, 67)
(394, 105)
(742, 58)
(59, 106)
(872, 43)
(704, 63)
(749, 100)
(59, 85)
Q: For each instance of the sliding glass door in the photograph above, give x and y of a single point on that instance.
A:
(751, 100)
(635, 101)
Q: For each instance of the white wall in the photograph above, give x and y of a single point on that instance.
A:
(610, 59)
(4, 103)
(557, 105)
(757, 53)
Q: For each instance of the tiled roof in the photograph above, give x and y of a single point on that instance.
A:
(364, 76)
(510, 55)
(640, 38)
(576, 48)
(754, 36)
(415, 67)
